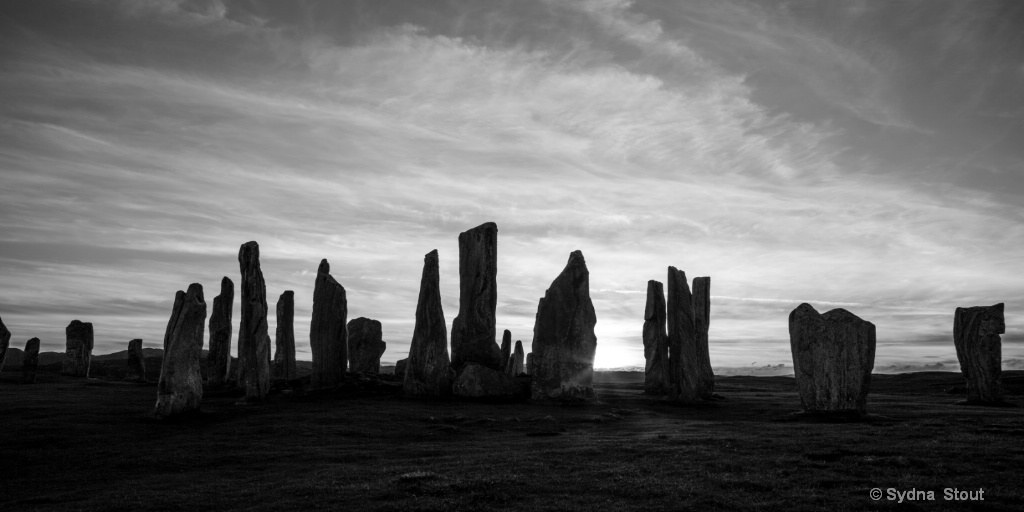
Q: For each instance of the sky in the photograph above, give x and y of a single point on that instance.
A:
(856, 154)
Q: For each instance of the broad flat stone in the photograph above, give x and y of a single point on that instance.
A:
(136, 369)
(284, 339)
(656, 371)
(328, 330)
(253, 332)
(365, 345)
(218, 361)
(976, 333)
(79, 349)
(474, 327)
(427, 371)
(180, 388)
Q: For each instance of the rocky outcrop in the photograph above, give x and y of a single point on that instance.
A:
(218, 361)
(180, 388)
(701, 325)
(478, 381)
(515, 362)
(284, 355)
(5, 343)
(79, 349)
(656, 371)
(328, 330)
(473, 329)
(30, 361)
(136, 369)
(253, 333)
(833, 355)
(684, 368)
(563, 337)
(365, 345)
(506, 350)
(428, 364)
(976, 333)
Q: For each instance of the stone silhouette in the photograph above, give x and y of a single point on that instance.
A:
(328, 330)
(218, 361)
(253, 335)
(701, 324)
(833, 355)
(284, 355)
(473, 329)
(30, 361)
(180, 388)
(478, 381)
(656, 371)
(529, 363)
(506, 349)
(515, 362)
(684, 368)
(400, 368)
(79, 349)
(365, 345)
(563, 337)
(976, 333)
(136, 370)
(427, 366)
(5, 343)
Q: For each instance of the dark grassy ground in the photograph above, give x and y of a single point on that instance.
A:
(74, 444)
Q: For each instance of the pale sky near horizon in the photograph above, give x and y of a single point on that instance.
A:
(856, 154)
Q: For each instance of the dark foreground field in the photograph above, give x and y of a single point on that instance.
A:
(73, 444)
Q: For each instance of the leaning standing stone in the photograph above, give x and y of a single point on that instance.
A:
(684, 369)
(218, 361)
(180, 388)
(79, 349)
(976, 333)
(284, 356)
(31, 361)
(328, 333)
(701, 324)
(136, 370)
(365, 345)
(656, 380)
(473, 329)
(253, 334)
(5, 343)
(427, 366)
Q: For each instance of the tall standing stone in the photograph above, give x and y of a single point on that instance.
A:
(474, 327)
(506, 349)
(515, 362)
(79, 349)
(564, 342)
(701, 325)
(833, 355)
(656, 371)
(365, 345)
(218, 360)
(529, 363)
(684, 369)
(328, 333)
(427, 367)
(180, 388)
(976, 333)
(253, 333)
(136, 370)
(284, 355)
(5, 343)
(30, 362)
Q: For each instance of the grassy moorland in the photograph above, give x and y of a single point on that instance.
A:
(76, 444)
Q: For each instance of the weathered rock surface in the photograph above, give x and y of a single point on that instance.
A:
(563, 337)
(253, 333)
(400, 368)
(284, 339)
(136, 370)
(474, 327)
(5, 343)
(833, 355)
(365, 345)
(428, 364)
(656, 381)
(30, 361)
(328, 329)
(515, 362)
(701, 325)
(976, 333)
(478, 381)
(79, 349)
(684, 368)
(218, 361)
(180, 388)
(506, 349)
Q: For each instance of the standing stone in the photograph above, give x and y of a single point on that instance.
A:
(833, 355)
(563, 337)
(284, 355)
(79, 349)
(180, 388)
(656, 371)
(253, 335)
(365, 345)
(701, 324)
(218, 361)
(473, 329)
(506, 349)
(5, 343)
(400, 367)
(30, 361)
(684, 369)
(529, 363)
(136, 370)
(976, 333)
(328, 332)
(515, 362)
(427, 367)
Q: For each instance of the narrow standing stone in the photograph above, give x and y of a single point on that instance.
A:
(427, 367)
(218, 361)
(656, 372)
(328, 333)
(253, 335)
(506, 350)
(180, 388)
(529, 363)
(79, 349)
(473, 329)
(5, 343)
(701, 325)
(976, 333)
(365, 345)
(683, 359)
(515, 363)
(31, 361)
(284, 356)
(136, 370)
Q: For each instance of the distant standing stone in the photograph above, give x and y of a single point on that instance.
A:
(400, 368)
(79, 349)
(656, 381)
(328, 332)
(218, 361)
(529, 363)
(515, 364)
(253, 333)
(180, 388)
(427, 366)
(976, 333)
(31, 361)
(833, 355)
(684, 367)
(478, 381)
(563, 337)
(5, 343)
(365, 345)
(284, 355)
(473, 329)
(506, 350)
(136, 370)
(701, 325)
